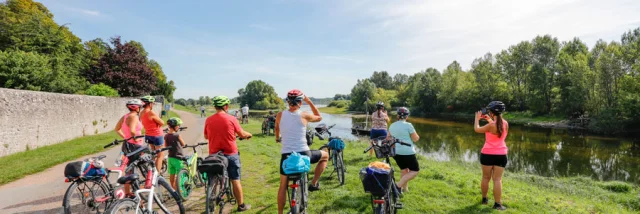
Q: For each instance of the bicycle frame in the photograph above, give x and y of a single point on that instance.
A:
(295, 185)
(152, 178)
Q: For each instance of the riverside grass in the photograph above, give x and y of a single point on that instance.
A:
(440, 187)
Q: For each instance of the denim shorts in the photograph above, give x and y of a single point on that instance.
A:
(234, 166)
(375, 133)
(155, 140)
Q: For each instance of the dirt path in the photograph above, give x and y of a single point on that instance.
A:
(43, 192)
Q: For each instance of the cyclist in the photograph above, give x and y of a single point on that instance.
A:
(379, 121)
(405, 155)
(291, 132)
(220, 130)
(176, 142)
(129, 126)
(245, 114)
(202, 113)
(152, 127)
(493, 156)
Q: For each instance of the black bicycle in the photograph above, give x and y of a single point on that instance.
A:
(337, 160)
(218, 185)
(383, 189)
(298, 193)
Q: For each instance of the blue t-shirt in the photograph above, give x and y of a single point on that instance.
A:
(402, 130)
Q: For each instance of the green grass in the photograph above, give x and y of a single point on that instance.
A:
(528, 117)
(333, 110)
(187, 108)
(18, 165)
(441, 187)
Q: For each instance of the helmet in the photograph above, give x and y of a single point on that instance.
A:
(134, 104)
(379, 105)
(270, 111)
(295, 95)
(174, 121)
(219, 101)
(148, 99)
(403, 112)
(497, 107)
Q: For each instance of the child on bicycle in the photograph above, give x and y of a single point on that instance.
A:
(174, 140)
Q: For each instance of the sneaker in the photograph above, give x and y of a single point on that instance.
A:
(399, 191)
(314, 188)
(498, 206)
(243, 207)
(485, 201)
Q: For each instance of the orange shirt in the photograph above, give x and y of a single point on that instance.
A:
(221, 129)
(151, 128)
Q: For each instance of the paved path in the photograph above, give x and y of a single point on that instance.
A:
(43, 192)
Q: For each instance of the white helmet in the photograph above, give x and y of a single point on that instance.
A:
(134, 104)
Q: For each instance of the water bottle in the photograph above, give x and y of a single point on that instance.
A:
(119, 159)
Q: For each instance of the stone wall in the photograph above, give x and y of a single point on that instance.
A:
(31, 119)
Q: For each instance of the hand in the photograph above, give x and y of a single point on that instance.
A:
(478, 115)
(306, 99)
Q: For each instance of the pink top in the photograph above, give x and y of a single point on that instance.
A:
(379, 122)
(127, 133)
(495, 145)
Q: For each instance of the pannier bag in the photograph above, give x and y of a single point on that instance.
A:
(296, 163)
(375, 181)
(215, 164)
(82, 169)
(336, 144)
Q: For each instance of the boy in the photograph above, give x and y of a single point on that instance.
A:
(174, 140)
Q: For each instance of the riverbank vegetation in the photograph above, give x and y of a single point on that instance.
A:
(441, 187)
(543, 78)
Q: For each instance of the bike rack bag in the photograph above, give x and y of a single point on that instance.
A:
(375, 181)
(214, 164)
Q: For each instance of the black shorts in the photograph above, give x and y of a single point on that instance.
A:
(314, 157)
(245, 116)
(493, 160)
(407, 162)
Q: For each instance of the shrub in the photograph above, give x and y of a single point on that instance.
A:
(340, 103)
(617, 186)
(101, 90)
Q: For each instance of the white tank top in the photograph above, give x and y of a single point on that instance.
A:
(293, 132)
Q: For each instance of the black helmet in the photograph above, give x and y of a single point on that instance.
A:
(497, 107)
(403, 112)
(379, 105)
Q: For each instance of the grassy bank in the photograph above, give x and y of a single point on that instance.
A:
(333, 110)
(18, 165)
(187, 108)
(441, 187)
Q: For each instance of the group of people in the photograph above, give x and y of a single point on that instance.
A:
(493, 156)
(221, 130)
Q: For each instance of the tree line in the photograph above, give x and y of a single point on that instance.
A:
(542, 76)
(38, 54)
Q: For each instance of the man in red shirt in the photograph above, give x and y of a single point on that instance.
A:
(221, 129)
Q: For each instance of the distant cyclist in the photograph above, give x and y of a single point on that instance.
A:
(379, 121)
(290, 130)
(245, 114)
(202, 111)
(220, 130)
(153, 128)
(175, 141)
(405, 155)
(129, 126)
(493, 156)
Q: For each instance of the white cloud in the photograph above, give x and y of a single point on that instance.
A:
(87, 12)
(261, 27)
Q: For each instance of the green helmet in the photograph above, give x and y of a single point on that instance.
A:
(220, 101)
(148, 99)
(174, 121)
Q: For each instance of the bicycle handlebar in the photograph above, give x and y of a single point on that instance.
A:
(179, 129)
(194, 146)
(116, 141)
(386, 143)
(239, 138)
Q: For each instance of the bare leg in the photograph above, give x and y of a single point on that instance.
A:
(159, 157)
(402, 173)
(172, 179)
(322, 164)
(371, 151)
(237, 191)
(406, 178)
(497, 184)
(486, 177)
(282, 193)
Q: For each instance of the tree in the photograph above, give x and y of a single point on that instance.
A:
(631, 50)
(573, 78)
(451, 79)
(363, 91)
(609, 69)
(399, 80)
(181, 101)
(543, 73)
(94, 50)
(341, 97)
(260, 95)
(515, 65)
(134, 79)
(22, 70)
(424, 88)
(382, 80)
(101, 90)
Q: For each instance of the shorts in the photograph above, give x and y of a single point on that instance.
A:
(233, 169)
(407, 162)
(202, 111)
(493, 160)
(314, 157)
(174, 165)
(375, 133)
(155, 140)
(245, 116)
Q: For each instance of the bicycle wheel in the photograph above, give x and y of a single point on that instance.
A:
(379, 209)
(304, 189)
(80, 197)
(123, 206)
(163, 169)
(213, 189)
(184, 184)
(166, 199)
(340, 167)
(296, 199)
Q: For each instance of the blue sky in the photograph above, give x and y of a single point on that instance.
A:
(323, 47)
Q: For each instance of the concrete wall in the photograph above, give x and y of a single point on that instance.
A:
(31, 119)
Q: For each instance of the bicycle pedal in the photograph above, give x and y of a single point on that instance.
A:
(399, 206)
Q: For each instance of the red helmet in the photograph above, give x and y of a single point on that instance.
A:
(295, 95)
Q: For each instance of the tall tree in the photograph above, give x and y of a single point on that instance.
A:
(399, 80)
(543, 73)
(361, 92)
(610, 70)
(573, 78)
(452, 78)
(382, 80)
(260, 95)
(425, 87)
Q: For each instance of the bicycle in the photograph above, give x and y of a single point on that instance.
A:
(156, 189)
(268, 125)
(385, 201)
(337, 160)
(88, 187)
(299, 194)
(188, 178)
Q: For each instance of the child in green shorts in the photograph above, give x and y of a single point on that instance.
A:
(174, 140)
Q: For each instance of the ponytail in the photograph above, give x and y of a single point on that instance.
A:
(379, 113)
(499, 124)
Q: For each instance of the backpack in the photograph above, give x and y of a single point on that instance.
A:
(83, 169)
(214, 164)
(296, 163)
(336, 143)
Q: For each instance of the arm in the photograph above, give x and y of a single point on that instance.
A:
(242, 133)
(277, 129)
(414, 134)
(206, 137)
(181, 141)
(386, 117)
(156, 119)
(315, 117)
(118, 127)
(476, 124)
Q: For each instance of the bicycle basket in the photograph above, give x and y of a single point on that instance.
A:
(375, 181)
(214, 164)
(336, 144)
(382, 151)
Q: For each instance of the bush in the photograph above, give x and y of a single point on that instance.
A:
(607, 122)
(617, 186)
(340, 103)
(101, 90)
